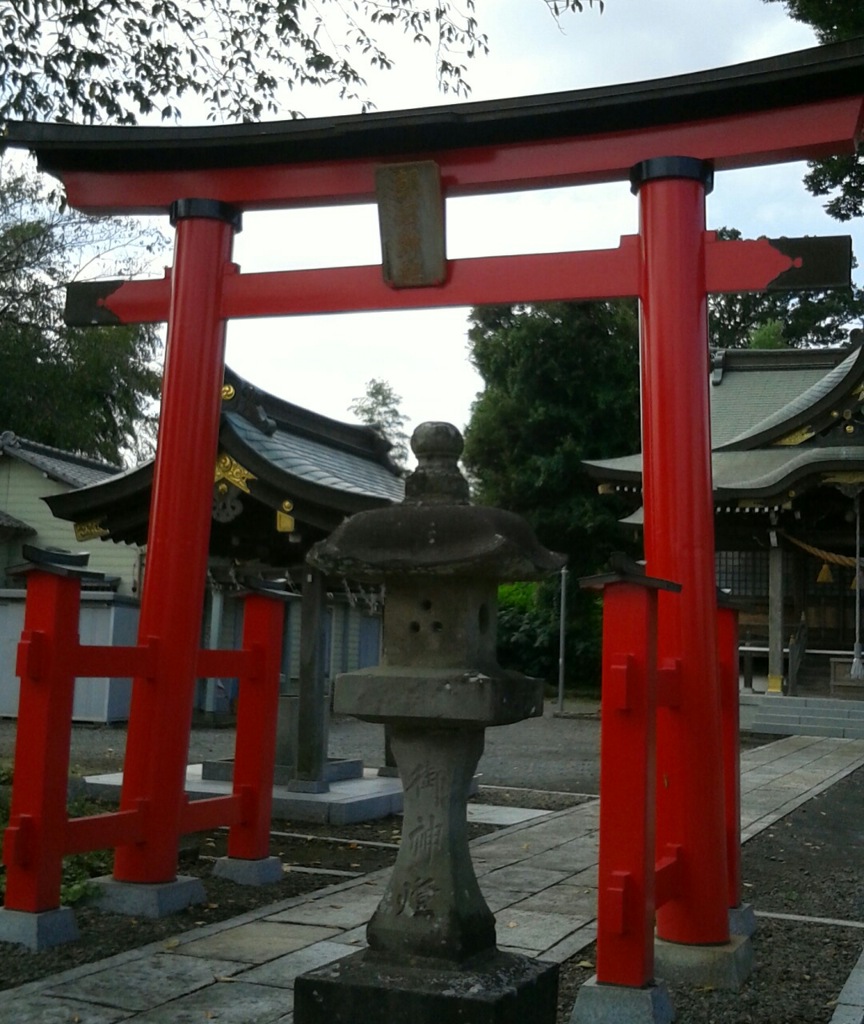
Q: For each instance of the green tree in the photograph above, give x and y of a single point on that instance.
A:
(379, 408)
(561, 385)
(841, 177)
(118, 60)
(800, 319)
(89, 390)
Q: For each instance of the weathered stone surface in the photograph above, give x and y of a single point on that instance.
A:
(433, 906)
(438, 696)
(500, 988)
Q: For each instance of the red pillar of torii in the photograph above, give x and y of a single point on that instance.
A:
(665, 136)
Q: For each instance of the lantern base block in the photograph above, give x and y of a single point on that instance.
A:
(493, 988)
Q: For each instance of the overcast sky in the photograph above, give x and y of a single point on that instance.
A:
(324, 362)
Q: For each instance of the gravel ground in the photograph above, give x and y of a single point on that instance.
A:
(551, 752)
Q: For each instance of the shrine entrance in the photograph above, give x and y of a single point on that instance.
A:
(665, 140)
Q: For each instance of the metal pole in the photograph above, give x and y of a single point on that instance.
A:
(562, 637)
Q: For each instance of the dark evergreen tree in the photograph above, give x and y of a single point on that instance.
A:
(85, 389)
(561, 385)
(841, 177)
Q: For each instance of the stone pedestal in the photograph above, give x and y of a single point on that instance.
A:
(498, 988)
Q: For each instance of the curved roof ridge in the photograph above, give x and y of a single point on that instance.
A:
(256, 405)
(806, 405)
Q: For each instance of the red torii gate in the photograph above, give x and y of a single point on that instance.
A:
(667, 137)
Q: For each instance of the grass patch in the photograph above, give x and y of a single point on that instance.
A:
(79, 869)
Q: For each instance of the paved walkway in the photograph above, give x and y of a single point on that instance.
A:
(539, 877)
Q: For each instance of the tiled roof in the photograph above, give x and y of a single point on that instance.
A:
(757, 399)
(319, 463)
(12, 527)
(750, 404)
(66, 467)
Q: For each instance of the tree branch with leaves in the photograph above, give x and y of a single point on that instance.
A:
(121, 60)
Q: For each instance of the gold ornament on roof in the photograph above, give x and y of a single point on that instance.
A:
(228, 392)
(797, 436)
(231, 470)
(90, 530)
(284, 522)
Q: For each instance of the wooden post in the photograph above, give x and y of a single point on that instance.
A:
(312, 714)
(775, 618)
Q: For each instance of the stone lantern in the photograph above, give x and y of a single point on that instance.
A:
(438, 688)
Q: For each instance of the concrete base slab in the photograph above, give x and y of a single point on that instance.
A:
(725, 966)
(346, 802)
(308, 786)
(496, 988)
(38, 931)
(619, 1004)
(742, 919)
(158, 899)
(265, 871)
(336, 769)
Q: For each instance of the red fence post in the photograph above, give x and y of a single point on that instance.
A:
(679, 539)
(33, 842)
(727, 651)
(178, 539)
(626, 874)
(625, 883)
(257, 710)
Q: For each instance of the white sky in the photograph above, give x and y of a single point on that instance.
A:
(324, 362)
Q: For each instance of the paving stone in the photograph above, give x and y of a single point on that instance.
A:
(356, 938)
(533, 931)
(570, 857)
(255, 943)
(283, 971)
(224, 1003)
(337, 911)
(571, 901)
(571, 944)
(490, 814)
(497, 899)
(43, 1009)
(140, 984)
(527, 879)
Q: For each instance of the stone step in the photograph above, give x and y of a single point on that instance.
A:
(807, 728)
(809, 716)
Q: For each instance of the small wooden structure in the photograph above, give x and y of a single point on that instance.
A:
(284, 477)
